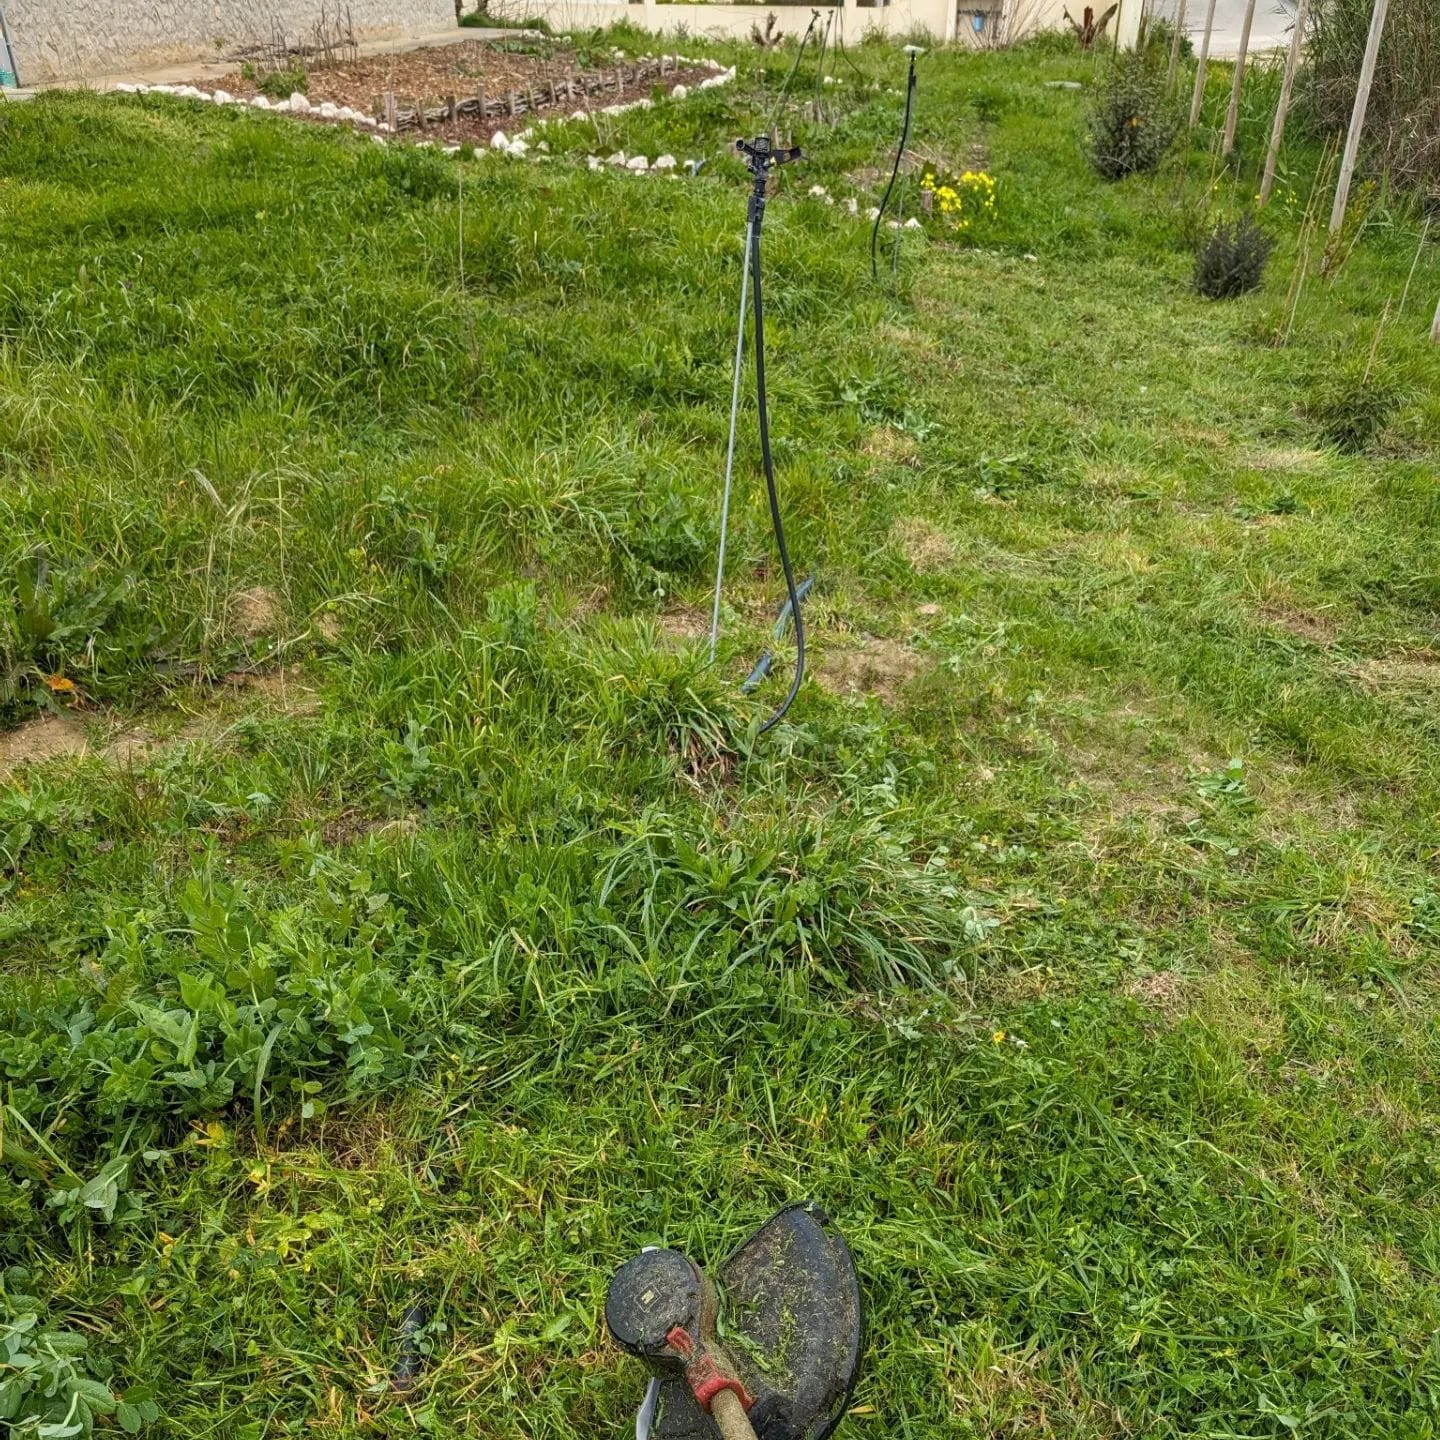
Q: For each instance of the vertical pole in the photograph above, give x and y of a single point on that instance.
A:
(1435, 328)
(1175, 40)
(392, 112)
(1277, 132)
(1200, 71)
(1232, 118)
(1357, 116)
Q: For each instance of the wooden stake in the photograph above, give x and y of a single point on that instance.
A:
(1357, 116)
(1175, 47)
(1201, 71)
(554, 95)
(392, 112)
(1282, 110)
(450, 105)
(419, 112)
(530, 99)
(1435, 328)
(514, 104)
(1232, 118)
(1405, 293)
(480, 96)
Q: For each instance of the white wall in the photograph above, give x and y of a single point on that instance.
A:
(73, 39)
(937, 17)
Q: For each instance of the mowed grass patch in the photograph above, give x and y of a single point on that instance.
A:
(424, 923)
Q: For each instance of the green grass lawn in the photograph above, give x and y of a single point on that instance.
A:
(425, 922)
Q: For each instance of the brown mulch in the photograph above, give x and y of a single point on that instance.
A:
(431, 75)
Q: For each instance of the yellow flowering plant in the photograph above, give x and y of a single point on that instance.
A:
(961, 201)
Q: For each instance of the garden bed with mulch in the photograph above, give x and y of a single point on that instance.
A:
(446, 86)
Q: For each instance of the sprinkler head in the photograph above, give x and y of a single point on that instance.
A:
(914, 49)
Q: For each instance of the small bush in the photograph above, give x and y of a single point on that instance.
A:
(1355, 406)
(1133, 122)
(282, 84)
(1232, 261)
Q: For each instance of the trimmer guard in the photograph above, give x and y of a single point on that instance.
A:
(790, 1322)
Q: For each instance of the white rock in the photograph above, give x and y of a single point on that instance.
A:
(299, 105)
(818, 191)
(1032, 257)
(223, 97)
(499, 141)
(637, 163)
(893, 224)
(664, 162)
(619, 158)
(260, 103)
(379, 139)
(580, 115)
(127, 89)
(592, 162)
(679, 92)
(518, 147)
(544, 145)
(913, 224)
(452, 149)
(851, 204)
(328, 110)
(873, 213)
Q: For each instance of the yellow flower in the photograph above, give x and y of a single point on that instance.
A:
(998, 1037)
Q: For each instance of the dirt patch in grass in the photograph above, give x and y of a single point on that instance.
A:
(256, 612)
(350, 826)
(925, 547)
(1412, 671)
(1316, 629)
(1286, 457)
(879, 667)
(283, 688)
(888, 444)
(685, 626)
(47, 737)
(1161, 990)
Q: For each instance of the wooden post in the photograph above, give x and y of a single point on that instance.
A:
(480, 97)
(392, 112)
(420, 112)
(1200, 71)
(514, 104)
(1175, 47)
(1277, 131)
(554, 92)
(450, 105)
(377, 107)
(1232, 118)
(619, 78)
(1357, 116)
(530, 99)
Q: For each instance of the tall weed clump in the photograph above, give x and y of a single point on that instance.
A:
(1402, 119)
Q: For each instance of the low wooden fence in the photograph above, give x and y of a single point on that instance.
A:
(513, 103)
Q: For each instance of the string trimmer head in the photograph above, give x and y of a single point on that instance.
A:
(773, 1337)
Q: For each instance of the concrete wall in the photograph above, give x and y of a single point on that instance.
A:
(937, 17)
(76, 39)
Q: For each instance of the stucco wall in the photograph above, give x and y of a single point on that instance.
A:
(896, 18)
(73, 39)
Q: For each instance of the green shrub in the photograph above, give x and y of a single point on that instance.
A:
(282, 84)
(1132, 121)
(1232, 261)
(1355, 406)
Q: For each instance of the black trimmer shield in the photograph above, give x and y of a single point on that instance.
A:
(789, 1321)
